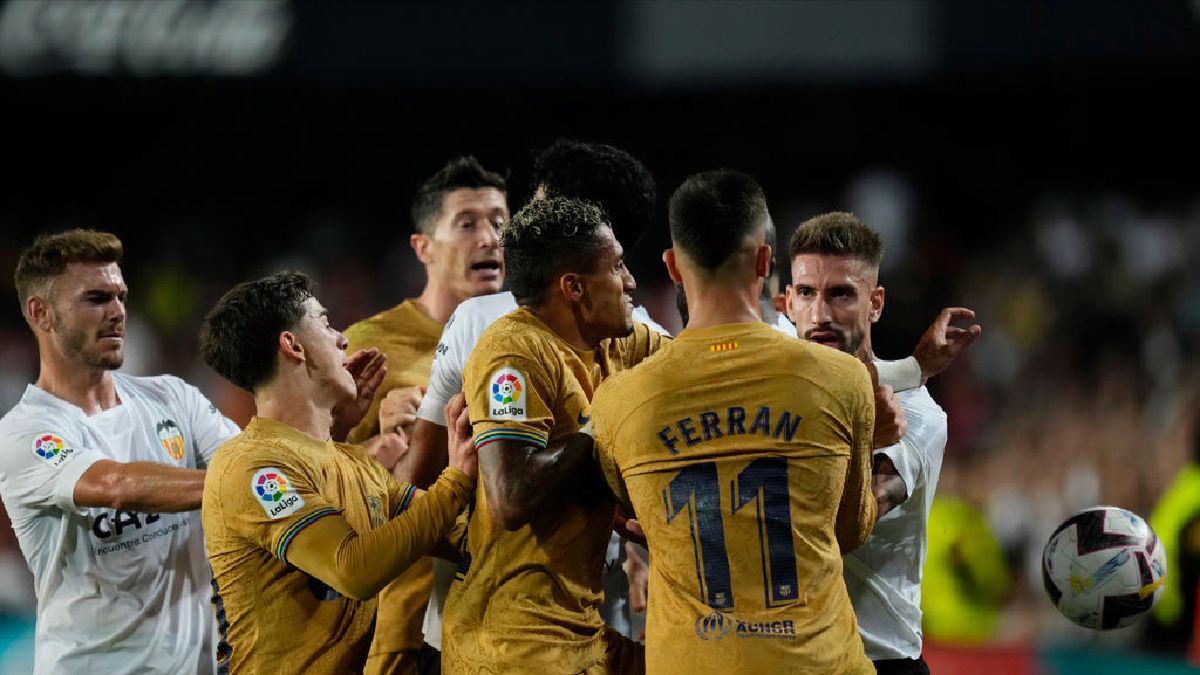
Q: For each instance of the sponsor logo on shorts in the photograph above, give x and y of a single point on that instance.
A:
(508, 395)
(716, 626)
(275, 493)
(52, 449)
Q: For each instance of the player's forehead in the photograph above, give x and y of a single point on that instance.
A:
(474, 202)
(819, 270)
(86, 277)
(610, 248)
(313, 308)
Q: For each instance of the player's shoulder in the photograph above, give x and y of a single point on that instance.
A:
(838, 363)
(483, 309)
(162, 388)
(257, 445)
(517, 332)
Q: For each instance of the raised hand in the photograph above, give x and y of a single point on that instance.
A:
(943, 342)
(368, 366)
(890, 422)
(398, 410)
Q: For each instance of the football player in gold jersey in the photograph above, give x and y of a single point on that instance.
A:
(527, 597)
(457, 213)
(302, 532)
(747, 455)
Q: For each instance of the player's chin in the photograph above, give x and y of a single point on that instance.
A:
(487, 286)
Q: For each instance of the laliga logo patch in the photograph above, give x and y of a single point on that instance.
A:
(171, 438)
(52, 449)
(507, 395)
(274, 493)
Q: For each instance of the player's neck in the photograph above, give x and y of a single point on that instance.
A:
(437, 301)
(89, 388)
(290, 404)
(715, 305)
(566, 324)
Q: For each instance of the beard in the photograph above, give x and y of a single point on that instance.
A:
(846, 342)
(73, 343)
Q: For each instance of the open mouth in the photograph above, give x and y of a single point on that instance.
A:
(487, 267)
(825, 338)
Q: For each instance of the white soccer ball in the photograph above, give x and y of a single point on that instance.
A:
(1104, 568)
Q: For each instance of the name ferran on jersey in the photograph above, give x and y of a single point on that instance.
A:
(507, 395)
(275, 493)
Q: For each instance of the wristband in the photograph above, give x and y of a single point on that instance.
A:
(901, 375)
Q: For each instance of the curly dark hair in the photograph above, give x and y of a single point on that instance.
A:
(607, 176)
(459, 173)
(546, 238)
(239, 337)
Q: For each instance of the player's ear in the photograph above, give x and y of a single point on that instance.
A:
(787, 294)
(40, 312)
(571, 286)
(668, 258)
(290, 347)
(762, 261)
(877, 297)
(422, 245)
(780, 302)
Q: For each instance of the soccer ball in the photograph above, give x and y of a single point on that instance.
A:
(1104, 568)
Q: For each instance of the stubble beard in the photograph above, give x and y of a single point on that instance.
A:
(72, 342)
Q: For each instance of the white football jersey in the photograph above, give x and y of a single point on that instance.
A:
(117, 591)
(883, 575)
(462, 331)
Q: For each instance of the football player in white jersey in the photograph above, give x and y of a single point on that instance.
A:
(834, 298)
(102, 474)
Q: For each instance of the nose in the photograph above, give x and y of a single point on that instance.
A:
(819, 311)
(627, 281)
(489, 237)
(342, 343)
(116, 309)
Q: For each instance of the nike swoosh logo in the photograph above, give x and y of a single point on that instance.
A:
(583, 420)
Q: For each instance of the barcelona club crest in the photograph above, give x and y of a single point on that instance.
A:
(171, 439)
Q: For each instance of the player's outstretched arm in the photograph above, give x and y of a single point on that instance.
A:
(524, 480)
(360, 565)
(139, 486)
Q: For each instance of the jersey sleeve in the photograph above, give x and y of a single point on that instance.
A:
(209, 428)
(605, 424)
(510, 396)
(445, 375)
(857, 510)
(268, 499)
(924, 441)
(39, 467)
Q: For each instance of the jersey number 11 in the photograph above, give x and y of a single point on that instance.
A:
(764, 482)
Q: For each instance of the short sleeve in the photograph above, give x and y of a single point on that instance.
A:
(209, 427)
(268, 500)
(445, 375)
(39, 467)
(918, 454)
(509, 396)
(605, 424)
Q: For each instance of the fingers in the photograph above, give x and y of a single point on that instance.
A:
(455, 407)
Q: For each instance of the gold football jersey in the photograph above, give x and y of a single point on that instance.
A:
(408, 337)
(746, 455)
(527, 601)
(263, 487)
